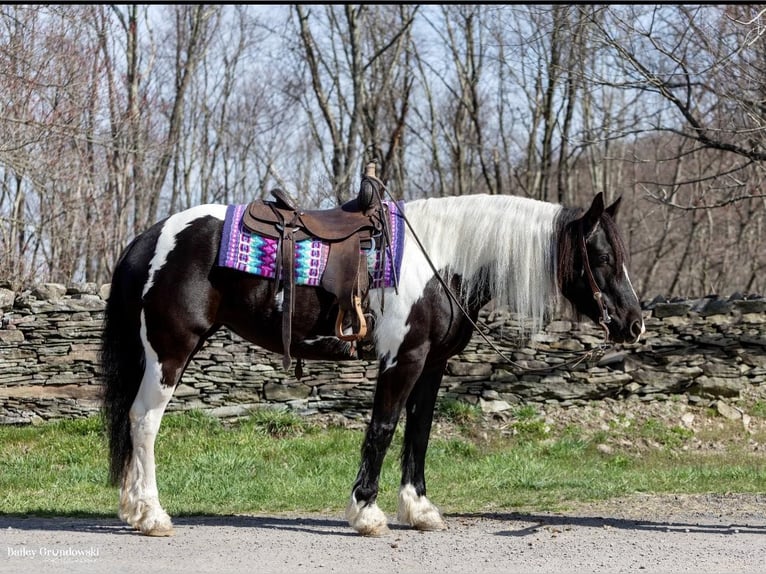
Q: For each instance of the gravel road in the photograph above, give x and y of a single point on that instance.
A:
(643, 534)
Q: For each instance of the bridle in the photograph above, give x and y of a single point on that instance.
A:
(597, 295)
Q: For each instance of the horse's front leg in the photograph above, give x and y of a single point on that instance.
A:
(391, 391)
(414, 507)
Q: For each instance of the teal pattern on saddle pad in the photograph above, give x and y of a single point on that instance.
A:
(246, 251)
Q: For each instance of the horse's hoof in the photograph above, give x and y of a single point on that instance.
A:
(418, 512)
(430, 521)
(366, 519)
(374, 531)
(154, 522)
(160, 532)
(430, 524)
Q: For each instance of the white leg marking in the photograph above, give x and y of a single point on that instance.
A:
(418, 511)
(139, 498)
(366, 519)
(172, 227)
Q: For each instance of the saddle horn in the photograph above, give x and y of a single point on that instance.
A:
(366, 196)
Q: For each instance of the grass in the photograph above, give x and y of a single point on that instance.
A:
(458, 412)
(276, 462)
(758, 409)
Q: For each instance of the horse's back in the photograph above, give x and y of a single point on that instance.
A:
(187, 239)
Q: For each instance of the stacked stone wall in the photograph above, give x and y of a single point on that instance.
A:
(704, 348)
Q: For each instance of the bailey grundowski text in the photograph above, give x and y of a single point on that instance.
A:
(52, 552)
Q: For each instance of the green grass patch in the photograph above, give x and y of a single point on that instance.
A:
(276, 462)
(528, 424)
(458, 412)
(670, 436)
(758, 409)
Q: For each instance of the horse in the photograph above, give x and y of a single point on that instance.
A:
(169, 294)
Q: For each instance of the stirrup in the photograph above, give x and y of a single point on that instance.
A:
(362, 322)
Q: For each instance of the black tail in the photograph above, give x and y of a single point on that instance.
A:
(122, 362)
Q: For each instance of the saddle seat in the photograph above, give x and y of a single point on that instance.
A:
(361, 221)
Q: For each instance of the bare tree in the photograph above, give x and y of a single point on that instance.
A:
(699, 66)
(350, 75)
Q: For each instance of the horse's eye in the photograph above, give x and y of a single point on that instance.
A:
(603, 258)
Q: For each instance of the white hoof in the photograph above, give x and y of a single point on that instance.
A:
(418, 511)
(156, 524)
(366, 519)
(147, 517)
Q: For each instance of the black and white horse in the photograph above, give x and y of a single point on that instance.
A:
(169, 295)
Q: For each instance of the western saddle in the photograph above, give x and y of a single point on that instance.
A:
(361, 222)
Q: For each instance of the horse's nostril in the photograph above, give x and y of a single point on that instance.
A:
(637, 328)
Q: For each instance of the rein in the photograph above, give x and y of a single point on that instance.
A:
(586, 355)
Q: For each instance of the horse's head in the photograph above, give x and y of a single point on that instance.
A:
(593, 273)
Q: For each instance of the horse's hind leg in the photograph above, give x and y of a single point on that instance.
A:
(414, 507)
(139, 498)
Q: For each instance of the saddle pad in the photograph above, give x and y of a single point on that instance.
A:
(246, 251)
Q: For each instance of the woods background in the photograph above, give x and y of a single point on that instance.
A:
(113, 117)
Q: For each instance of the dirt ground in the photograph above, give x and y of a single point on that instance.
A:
(725, 534)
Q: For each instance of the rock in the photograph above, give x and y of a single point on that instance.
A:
(11, 336)
(568, 345)
(648, 306)
(231, 411)
(183, 390)
(49, 291)
(632, 388)
(82, 289)
(715, 369)
(613, 359)
(716, 387)
(751, 306)
(462, 369)
(493, 406)
(671, 309)
(285, 392)
(559, 327)
(604, 448)
(727, 411)
(7, 297)
(659, 381)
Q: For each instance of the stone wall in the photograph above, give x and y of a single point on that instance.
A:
(705, 348)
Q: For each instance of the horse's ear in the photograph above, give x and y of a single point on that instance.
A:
(614, 208)
(592, 216)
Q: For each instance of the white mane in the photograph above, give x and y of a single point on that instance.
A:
(511, 237)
